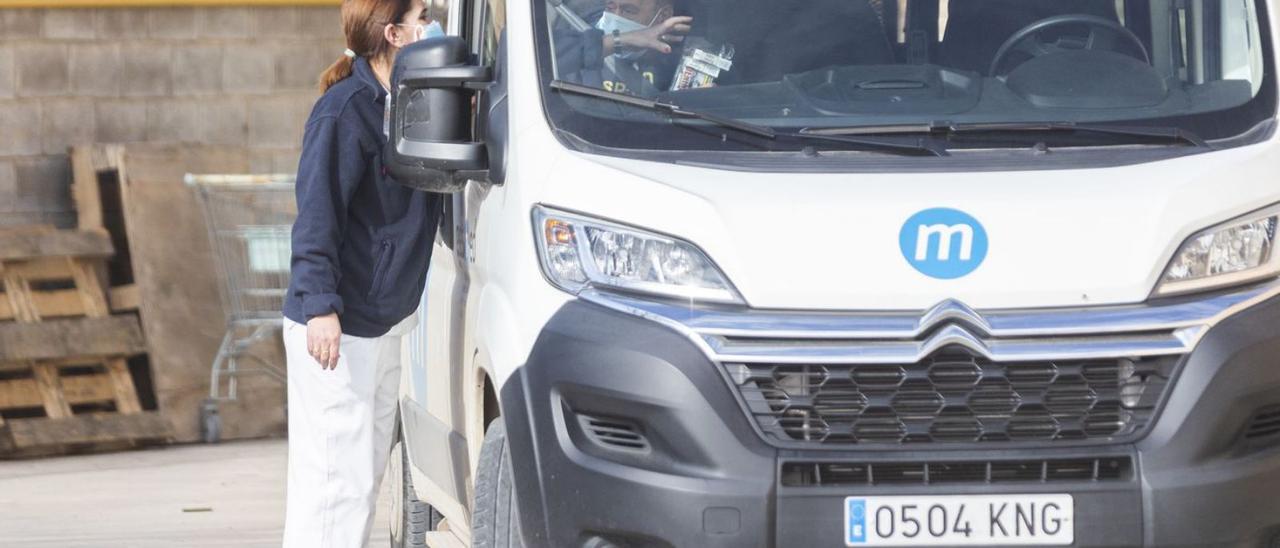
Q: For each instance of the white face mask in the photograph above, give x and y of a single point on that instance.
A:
(432, 30)
(422, 32)
(610, 22)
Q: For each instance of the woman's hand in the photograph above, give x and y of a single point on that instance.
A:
(657, 37)
(324, 337)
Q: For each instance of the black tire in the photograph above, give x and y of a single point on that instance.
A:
(411, 519)
(495, 522)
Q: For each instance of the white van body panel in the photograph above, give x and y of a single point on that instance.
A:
(831, 242)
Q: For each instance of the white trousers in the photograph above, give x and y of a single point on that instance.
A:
(340, 435)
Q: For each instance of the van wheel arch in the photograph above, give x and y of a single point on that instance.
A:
(491, 409)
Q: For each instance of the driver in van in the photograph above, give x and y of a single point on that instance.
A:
(639, 35)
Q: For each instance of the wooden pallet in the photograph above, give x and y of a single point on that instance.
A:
(67, 387)
(97, 193)
(64, 378)
(47, 273)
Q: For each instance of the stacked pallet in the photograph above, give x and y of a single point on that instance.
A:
(64, 379)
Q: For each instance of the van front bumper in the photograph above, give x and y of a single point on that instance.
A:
(624, 432)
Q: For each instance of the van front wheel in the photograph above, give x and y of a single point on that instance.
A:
(495, 522)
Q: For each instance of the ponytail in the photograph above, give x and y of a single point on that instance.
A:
(336, 72)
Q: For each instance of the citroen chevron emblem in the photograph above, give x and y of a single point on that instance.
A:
(952, 311)
(953, 335)
(959, 326)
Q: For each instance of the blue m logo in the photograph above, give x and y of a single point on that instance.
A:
(943, 243)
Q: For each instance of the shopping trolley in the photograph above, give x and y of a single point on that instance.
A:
(249, 219)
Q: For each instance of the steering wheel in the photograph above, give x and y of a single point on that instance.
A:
(1104, 34)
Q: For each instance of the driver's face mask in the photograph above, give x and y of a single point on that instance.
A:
(610, 22)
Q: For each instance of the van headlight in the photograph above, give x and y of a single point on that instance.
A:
(1238, 251)
(578, 251)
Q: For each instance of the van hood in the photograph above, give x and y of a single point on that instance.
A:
(1029, 239)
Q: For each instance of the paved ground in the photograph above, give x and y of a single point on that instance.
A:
(191, 496)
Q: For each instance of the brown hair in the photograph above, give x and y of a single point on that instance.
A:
(362, 24)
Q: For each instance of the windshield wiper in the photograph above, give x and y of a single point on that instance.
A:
(678, 114)
(658, 106)
(1168, 133)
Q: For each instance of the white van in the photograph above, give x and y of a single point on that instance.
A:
(844, 273)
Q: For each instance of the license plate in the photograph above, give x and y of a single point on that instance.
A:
(985, 520)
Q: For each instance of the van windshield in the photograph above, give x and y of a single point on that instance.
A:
(865, 67)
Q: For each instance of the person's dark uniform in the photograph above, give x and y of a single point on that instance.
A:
(580, 59)
(362, 242)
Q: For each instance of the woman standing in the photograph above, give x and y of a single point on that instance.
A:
(361, 245)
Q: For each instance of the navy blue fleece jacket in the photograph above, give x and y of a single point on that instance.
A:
(362, 242)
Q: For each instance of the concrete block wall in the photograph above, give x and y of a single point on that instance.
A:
(222, 75)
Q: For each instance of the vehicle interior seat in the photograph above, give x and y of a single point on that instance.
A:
(777, 37)
(977, 28)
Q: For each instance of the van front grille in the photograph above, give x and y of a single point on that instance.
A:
(953, 397)
(811, 474)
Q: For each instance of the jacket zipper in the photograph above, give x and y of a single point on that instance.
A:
(380, 269)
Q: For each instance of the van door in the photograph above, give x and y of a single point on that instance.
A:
(432, 407)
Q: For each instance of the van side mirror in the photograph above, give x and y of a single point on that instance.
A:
(431, 144)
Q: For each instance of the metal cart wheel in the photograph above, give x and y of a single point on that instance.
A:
(210, 422)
